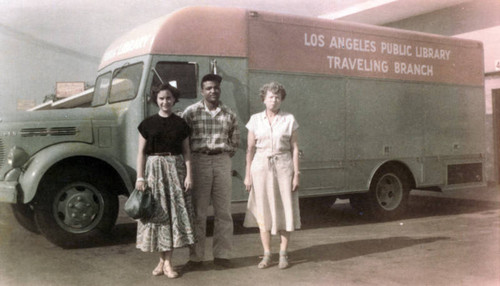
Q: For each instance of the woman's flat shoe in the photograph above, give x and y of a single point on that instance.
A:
(265, 262)
(170, 272)
(283, 261)
(158, 270)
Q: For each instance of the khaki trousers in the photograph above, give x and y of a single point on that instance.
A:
(212, 182)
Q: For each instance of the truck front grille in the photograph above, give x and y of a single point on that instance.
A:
(30, 132)
(54, 131)
(62, 131)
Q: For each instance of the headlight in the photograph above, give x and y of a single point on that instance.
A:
(17, 157)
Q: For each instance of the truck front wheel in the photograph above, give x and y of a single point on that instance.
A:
(76, 207)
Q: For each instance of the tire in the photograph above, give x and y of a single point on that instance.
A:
(75, 207)
(388, 195)
(25, 216)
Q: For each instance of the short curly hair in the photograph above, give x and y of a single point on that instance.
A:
(273, 87)
(210, 77)
(165, 86)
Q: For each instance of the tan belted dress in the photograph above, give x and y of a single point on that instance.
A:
(272, 206)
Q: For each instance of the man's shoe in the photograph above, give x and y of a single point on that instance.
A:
(192, 266)
(222, 263)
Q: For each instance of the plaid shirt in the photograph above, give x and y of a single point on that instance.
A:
(218, 133)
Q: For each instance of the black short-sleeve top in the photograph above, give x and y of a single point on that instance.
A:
(164, 134)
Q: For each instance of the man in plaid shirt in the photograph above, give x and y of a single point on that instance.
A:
(214, 139)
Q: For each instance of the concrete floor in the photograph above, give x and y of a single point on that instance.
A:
(445, 239)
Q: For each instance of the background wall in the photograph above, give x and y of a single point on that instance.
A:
(459, 19)
(31, 67)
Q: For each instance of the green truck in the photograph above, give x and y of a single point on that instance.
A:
(381, 112)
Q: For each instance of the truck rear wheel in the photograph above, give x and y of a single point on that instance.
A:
(25, 216)
(389, 192)
(76, 207)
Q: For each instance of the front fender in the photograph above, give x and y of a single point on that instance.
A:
(408, 167)
(41, 162)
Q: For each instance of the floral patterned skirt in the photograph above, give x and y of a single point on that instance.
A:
(171, 225)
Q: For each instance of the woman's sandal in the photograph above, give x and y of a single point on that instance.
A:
(283, 260)
(265, 262)
(159, 269)
(169, 271)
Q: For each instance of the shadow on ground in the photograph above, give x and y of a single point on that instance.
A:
(334, 251)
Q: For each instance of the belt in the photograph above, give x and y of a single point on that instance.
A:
(163, 154)
(271, 161)
(210, 152)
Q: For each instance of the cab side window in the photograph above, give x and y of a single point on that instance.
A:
(178, 74)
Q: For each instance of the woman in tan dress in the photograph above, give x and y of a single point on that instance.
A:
(272, 173)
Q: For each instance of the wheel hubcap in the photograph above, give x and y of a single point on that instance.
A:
(389, 192)
(78, 207)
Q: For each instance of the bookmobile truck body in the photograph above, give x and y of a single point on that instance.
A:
(381, 112)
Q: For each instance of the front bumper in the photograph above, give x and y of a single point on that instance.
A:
(8, 192)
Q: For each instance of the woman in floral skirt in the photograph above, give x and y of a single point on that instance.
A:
(164, 168)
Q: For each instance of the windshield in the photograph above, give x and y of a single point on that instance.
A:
(101, 89)
(124, 85)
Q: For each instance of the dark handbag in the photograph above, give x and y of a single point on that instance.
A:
(139, 204)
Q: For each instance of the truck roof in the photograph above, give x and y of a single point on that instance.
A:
(282, 42)
(188, 31)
